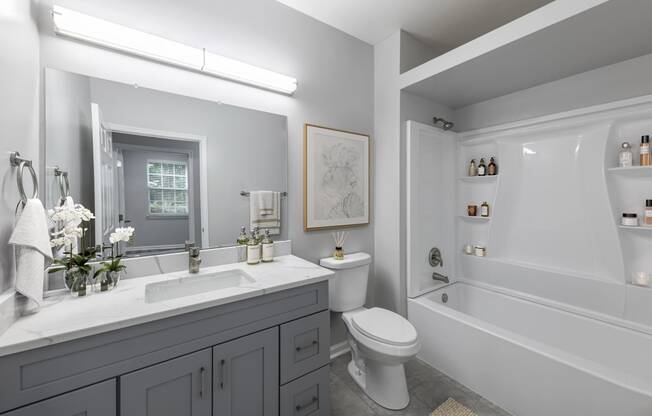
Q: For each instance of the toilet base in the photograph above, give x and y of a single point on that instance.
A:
(383, 383)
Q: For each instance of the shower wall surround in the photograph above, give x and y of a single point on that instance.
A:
(556, 204)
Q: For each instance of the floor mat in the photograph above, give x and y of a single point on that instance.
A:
(452, 408)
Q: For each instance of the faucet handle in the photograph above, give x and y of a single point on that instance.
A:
(189, 244)
(194, 251)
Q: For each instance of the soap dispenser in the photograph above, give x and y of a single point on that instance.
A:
(253, 249)
(268, 248)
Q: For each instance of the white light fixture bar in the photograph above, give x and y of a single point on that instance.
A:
(101, 32)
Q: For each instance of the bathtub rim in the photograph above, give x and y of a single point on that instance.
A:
(593, 368)
(566, 307)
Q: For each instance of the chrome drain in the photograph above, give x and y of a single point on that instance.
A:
(444, 298)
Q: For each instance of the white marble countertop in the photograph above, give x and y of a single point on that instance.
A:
(64, 318)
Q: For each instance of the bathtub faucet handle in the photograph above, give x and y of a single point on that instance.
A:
(434, 257)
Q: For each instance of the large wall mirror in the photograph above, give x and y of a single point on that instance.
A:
(172, 167)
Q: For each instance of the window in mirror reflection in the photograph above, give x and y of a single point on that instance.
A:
(167, 183)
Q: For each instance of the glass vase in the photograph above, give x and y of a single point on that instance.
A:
(108, 280)
(77, 281)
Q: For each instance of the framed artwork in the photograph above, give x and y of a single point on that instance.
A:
(336, 178)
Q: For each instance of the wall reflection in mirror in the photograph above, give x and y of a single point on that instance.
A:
(172, 167)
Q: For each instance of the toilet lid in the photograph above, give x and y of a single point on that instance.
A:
(385, 326)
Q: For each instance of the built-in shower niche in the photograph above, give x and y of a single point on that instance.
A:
(628, 190)
(550, 211)
(474, 190)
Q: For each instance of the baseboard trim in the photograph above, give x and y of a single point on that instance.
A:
(340, 348)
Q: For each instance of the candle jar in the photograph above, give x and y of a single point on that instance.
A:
(472, 210)
(629, 220)
(642, 279)
(480, 251)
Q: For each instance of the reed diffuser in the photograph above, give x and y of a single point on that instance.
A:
(339, 237)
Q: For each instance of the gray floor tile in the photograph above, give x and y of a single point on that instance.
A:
(345, 402)
(428, 388)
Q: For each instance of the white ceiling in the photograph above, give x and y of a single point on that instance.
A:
(442, 24)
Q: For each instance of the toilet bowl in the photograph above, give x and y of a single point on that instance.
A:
(380, 340)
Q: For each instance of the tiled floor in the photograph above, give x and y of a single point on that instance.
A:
(428, 389)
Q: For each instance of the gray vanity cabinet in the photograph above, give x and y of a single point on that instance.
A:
(179, 387)
(245, 376)
(246, 358)
(95, 400)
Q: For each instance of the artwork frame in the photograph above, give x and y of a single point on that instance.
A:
(336, 178)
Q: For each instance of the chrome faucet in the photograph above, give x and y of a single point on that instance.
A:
(193, 258)
(440, 277)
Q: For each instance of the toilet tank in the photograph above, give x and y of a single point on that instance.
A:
(348, 289)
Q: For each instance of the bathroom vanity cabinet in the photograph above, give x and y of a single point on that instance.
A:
(265, 356)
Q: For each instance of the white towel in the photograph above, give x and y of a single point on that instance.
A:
(33, 253)
(265, 211)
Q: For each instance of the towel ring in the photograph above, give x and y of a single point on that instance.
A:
(21, 163)
(64, 184)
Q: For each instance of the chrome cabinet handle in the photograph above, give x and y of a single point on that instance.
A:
(202, 373)
(300, 407)
(314, 342)
(221, 379)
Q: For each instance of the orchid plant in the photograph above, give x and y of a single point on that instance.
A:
(120, 234)
(69, 226)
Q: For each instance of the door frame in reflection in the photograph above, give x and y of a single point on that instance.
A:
(203, 174)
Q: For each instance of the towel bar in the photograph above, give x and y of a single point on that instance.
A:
(247, 193)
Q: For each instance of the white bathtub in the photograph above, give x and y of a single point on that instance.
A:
(532, 359)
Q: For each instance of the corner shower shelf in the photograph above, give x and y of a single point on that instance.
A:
(640, 228)
(477, 179)
(633, 171)
(479, 219)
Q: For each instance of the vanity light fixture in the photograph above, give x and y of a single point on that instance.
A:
(114, 36)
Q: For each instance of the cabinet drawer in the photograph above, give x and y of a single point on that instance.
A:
(95, 400)
(308, 395)
(304, 345)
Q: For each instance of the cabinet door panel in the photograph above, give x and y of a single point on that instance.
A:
(179, 387)
(246, 376)
(95, 400)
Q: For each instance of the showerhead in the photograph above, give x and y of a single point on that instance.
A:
(445, 125)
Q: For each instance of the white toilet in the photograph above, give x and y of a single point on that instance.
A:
(380, 340)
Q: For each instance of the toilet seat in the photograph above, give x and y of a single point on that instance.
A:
(385, 326)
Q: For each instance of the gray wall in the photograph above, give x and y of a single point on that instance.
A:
(162, 230)
(19, 114)
(246, 149)
(414, 52)
(152, 230)
(622, 80)
(69, 142)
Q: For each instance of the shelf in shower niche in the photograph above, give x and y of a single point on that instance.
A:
(647, 228)
(633, 171)
(478, 219)
(478, 179)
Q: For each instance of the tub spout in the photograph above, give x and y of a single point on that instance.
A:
(440, 277)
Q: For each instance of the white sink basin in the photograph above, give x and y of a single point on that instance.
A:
(194, 284)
